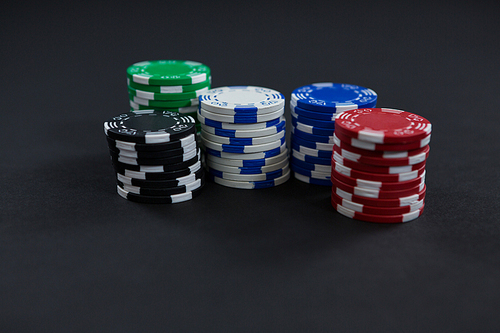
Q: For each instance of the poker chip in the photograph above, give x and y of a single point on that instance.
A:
(183, 109)
(247, 156)
(249, 177)
(164, 105)
(310, 151)
(375, 202)
(388, 186)
(314, 146)
(311, 159)
(312, 122)
(153, 96)
(172, 85)
(244, 136)
(259, 162)
(132, 146)
(155, 156)
(251, 184)
(161, 183)
(359, 158)
(312, 180)
(241, 119)
(312, 129)
(383, 126)
(381, 154)
(149, 126)
(311, 166)
(239, 127)
(333, 97)
(378, 164)
(170, 89)
(168, 72)
(258, 140)
(383, 147)
(165, 191)
(149, 199)
(166, 175)
(400, 218)
(375, 168)
(314, 109)
(376, 193)
(310, 173)
(242, 99)
(312, 137)
(245, 133)
(249, 170)
(376, 210)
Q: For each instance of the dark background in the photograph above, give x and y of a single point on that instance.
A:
(74, 256)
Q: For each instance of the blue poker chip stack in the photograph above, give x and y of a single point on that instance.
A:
(243, 134)
(313, 111)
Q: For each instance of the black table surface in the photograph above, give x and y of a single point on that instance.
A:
(74, 256)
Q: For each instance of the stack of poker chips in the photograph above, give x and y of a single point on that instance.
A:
(172, 85)
(243, 135)
(155, 156)
(378, 165)
(314, 109)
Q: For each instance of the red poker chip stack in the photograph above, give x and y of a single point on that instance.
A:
(378, 165)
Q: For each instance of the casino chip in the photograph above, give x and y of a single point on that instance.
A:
(155, 156)
(314, 109)
(172, 85)
(243, 136)
(378, 164)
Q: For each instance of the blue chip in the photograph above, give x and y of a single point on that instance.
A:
(312, 180)
(309, 150)
(311, 159)
(310, 173)
(312, 137)
(312, 129)
(313, 114)
(312, 122)
(333, 97)
(311, 166)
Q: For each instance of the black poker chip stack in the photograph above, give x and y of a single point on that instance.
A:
(155, 156)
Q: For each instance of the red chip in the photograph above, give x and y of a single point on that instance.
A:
(376, 193)
(376, 210)
(383, 146)
(374, 168)
(382, 125)
(384, 186)
(380, 161)
(375, 202)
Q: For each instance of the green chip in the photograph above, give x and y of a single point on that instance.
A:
(168, 72)
(166, 97)
(170, 89)
(164, 104)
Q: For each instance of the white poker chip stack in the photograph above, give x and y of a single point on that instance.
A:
(243, 134)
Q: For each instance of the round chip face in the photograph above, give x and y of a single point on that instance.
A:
(333, 97)
(383, 125)
(242, 99)
(168, 72)
(149, 126)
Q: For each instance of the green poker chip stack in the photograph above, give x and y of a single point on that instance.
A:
(172, 85)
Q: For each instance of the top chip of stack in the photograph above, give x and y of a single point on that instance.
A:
(314, 108)
(378, 164)
(243, 134)
(155, 156)
(172, 85)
